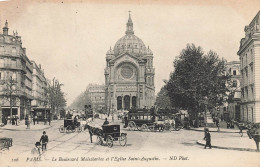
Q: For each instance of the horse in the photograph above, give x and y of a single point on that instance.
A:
(93, 131)
(242, 126)
(89, 120)
(254, 133)
(160, 125)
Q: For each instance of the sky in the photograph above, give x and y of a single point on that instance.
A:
(70, 39)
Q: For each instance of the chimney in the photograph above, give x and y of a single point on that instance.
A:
(24, 50)
(5, 28)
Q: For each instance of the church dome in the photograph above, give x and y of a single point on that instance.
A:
(130, 43)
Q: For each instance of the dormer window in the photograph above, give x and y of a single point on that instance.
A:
(234, 72)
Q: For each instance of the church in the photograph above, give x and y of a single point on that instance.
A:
(129, 73)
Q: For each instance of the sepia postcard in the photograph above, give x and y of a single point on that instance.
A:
(130, 83)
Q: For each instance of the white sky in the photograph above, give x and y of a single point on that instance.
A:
(70, 41)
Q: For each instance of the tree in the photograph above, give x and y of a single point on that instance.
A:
(10, 90)
(197, 80)
(82, 100)
(55, 96)
(162, 99)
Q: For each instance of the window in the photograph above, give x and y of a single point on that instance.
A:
(234, 83)
(234, 72)
(246, 113)
(252, 90)
(246, 60)
(252, 56)
(252, 113)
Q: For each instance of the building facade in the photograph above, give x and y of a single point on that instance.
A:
(39, 87)
(15, 76)
(249, 54)
(97, 96)
(129, 73)
(234, 99)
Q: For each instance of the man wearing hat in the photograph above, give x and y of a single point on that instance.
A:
(207, 138)
(44, 139)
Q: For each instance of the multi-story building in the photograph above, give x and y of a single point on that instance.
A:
(39, 88)
(15, 76)
(97, 96)
(233, 104)
(249, 54)
(129, 73)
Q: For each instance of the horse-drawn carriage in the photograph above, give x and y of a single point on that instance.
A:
(70, 125)
(5, 143)
(107, 135)
(148, 121)
(112, 133)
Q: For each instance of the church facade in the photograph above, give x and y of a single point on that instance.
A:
(129, 73)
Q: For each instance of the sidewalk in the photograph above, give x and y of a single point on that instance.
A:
(222, 126)
(239, 143)
(22, 127)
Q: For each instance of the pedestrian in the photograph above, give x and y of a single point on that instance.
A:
(125, 119)
(27, 122)
(207, 137)
(16, 119)
(44, 139)
(34, 120)
(217, 123)
(36, 150)
(106, 122)
(49, 120)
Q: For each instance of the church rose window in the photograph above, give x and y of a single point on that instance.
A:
(127, 72)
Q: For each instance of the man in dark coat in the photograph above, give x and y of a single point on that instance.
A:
(106, 122)
(125, 119)
(44, 139)
(207, 138)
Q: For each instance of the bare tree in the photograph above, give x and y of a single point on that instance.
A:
(10, 90)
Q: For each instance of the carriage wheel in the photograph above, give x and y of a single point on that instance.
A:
(122, 140)
(109, 141)
(144, 128)
(99, 140)
(131, 125)
(61, 129)
(139, 128)
(78, 129)
(167, 127)
(69, 129)
(161, 128)
(73, 128)
(177, 128)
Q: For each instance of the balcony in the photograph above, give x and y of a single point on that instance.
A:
(13, 67)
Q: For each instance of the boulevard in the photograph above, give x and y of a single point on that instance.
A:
(175, 146)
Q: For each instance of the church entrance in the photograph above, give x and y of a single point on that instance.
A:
(134, 101)
(127, 102)
(119, 103)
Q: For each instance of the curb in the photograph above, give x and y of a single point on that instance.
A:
(211, 131)
(230, 148)
(25, 129)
